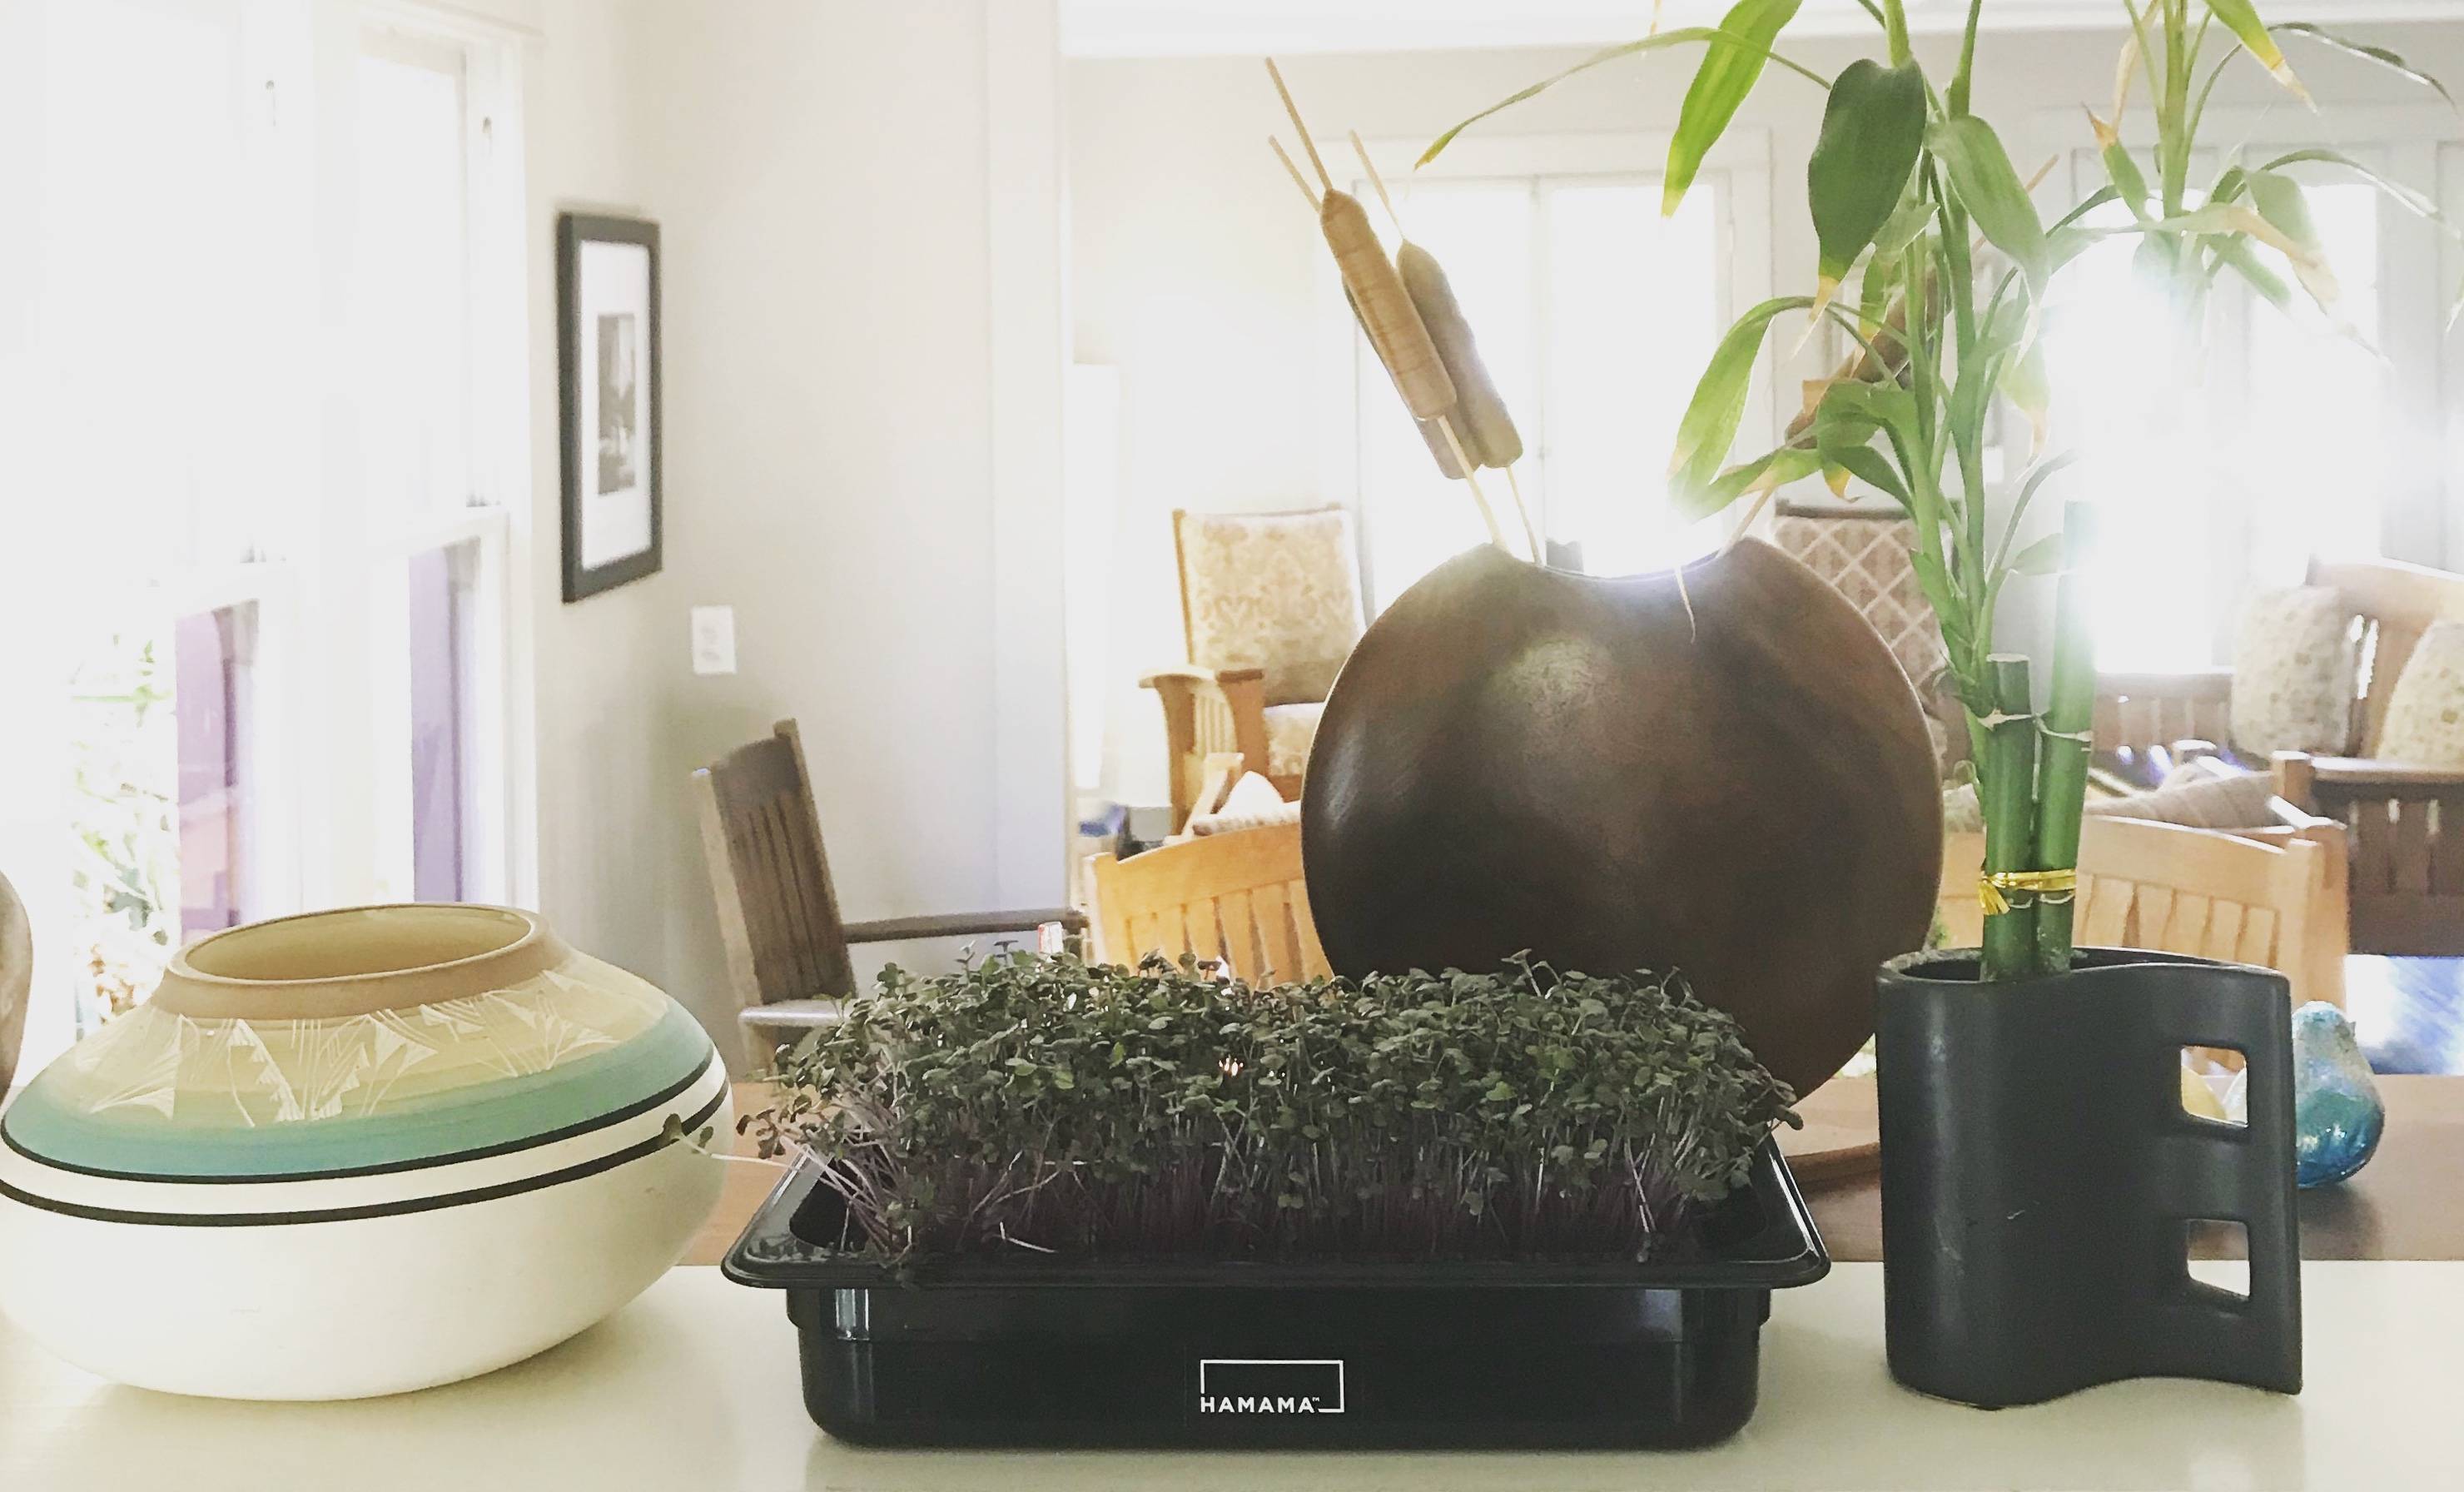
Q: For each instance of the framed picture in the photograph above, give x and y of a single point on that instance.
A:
(607, 355)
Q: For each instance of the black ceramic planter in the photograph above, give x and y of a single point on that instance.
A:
(1223, 1355)
(2040, 1177)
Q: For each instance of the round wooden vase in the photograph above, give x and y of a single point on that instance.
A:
(16, 978)
(1518, 758)
(356, 1152)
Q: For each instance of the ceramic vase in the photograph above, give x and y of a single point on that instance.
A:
(16, 978)
(1730, 778)
(2041, 1178)
(356, 1152)
(2337, 1115)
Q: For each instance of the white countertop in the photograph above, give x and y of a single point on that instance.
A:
(693, 1387)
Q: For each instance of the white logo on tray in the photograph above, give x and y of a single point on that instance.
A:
(1270, 1386)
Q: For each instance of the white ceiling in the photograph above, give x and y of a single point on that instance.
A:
(1198, 28)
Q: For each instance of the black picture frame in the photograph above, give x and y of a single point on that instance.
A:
(586, 467)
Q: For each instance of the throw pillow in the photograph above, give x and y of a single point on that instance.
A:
(2294, 662)
(2424, 716)
(1252, 803)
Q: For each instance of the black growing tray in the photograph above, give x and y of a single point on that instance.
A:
(1208, 1353)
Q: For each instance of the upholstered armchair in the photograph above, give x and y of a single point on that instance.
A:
(2346, 702)
(1270, 608)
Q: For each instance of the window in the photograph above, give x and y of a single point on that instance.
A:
(1595, 315)
(2225, 461)
(287, 659)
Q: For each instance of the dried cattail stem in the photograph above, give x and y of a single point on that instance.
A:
(1487, 515)
(1298, 129)
(1309, 193)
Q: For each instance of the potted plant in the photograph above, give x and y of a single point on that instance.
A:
(1042, 1201)
(2038, 1170)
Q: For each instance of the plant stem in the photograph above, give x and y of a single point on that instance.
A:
(2006, 794)
(1895, 28)
(2070, 710)
(1958, 101)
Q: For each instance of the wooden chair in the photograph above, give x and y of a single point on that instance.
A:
(787, 946)
(1237, 898)
(2404, 823)
(1270, 605)
(2272, 897)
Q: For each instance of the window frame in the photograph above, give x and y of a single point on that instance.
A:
(2422, 513)
(1740, 164)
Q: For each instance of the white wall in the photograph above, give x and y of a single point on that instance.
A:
(1195, 271)
(820, 177)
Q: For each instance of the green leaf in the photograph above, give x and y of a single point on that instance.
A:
(1873, 130)
(1867, 465)
(2129, 184)
(1712, 36)
(1915, 214)
(2236, 252)
(1709, 426)
(2241, 18)
(2381, 56)
(1766, 473)
(2042, 557)
(2283, 206)
(1720, 86)
(1991, 190)
(2406, 197)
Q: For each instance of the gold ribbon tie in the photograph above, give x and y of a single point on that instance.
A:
(1993, 888)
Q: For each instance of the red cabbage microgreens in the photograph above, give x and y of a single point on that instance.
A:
(1047, 1104)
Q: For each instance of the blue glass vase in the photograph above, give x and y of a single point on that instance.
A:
(2337, 1116)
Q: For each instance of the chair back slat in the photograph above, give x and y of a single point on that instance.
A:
(1238, 898)
(2182, 890)
(778, 911)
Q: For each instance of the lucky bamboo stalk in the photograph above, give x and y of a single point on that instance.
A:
(2007, 791)
(2070, 711)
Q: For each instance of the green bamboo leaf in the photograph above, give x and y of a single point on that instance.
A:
(1712, 36)
(2241, 18)
(1873, 129)
(1720, 86)
(2129, 184)
(2285, 208)
(1995, 195)
(1859, 459)
(1710, 424)
(2381, 56)
(2411, 201)
(2270, 286)
(1914, 217)
(2028, 386)
(1773, 468)
(2042, 557)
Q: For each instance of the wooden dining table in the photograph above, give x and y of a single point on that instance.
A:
(2407, 1203)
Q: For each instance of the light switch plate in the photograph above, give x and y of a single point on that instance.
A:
(713, 639)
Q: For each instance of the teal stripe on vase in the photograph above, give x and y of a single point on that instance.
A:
(499, 1114)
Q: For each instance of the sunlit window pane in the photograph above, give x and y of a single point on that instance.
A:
(1632, 313)
(440, 680)
(1595, 317)
(412, 301)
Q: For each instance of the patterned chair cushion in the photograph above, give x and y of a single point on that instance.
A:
(2424, 716)
(2293, 664)
(1289, 730)
(1866, 559)
(1278, 591)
